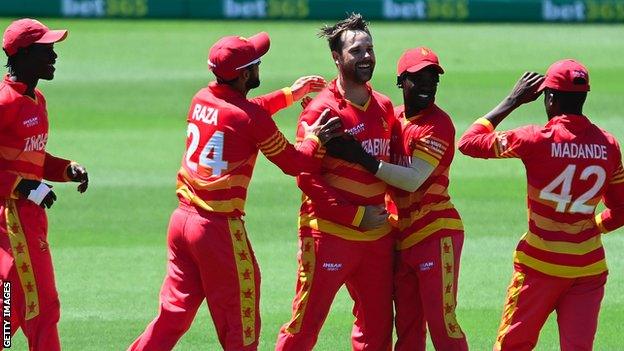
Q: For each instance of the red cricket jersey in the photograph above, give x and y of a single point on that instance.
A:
(23, 139)
(334, 199)
(225, 132)
(428, 211)
(571, 165)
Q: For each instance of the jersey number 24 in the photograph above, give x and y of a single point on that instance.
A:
(211, 155)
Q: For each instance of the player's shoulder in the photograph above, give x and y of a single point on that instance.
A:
(441, 119)
(532, 131)
(323, 100)
(609, 138)
(8, 95)
(383, 101)
(233, 104)
(380, 97)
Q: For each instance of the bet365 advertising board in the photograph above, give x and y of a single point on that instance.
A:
(604, 11)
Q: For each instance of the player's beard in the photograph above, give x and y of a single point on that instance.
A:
(254, 79)
(252, 83)
(359, 75)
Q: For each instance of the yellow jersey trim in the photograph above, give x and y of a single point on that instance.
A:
(563, 247)
(420, 235)
(344, 232)
(288, 95)
(484, 122)
(560, 270)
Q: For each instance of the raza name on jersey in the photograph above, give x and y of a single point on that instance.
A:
(208, 115)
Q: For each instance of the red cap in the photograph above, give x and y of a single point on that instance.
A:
(231, 54)
(25, 32)
(566, 75)
(413, 60)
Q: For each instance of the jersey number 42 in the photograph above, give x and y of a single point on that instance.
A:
(563, 198)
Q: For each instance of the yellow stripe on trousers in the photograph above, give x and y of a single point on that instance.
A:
(453, 329)
(513, 292)
(246, 279)
(306, 274)
(21, 257)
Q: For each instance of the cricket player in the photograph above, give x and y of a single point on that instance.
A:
(430, 233)
(571, 164)
(25, 261)
(430, 230)
(344, 235)
(210, 256)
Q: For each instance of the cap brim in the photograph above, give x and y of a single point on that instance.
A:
(261, 43)
(422, 65)
(53, 36)
(542, 87)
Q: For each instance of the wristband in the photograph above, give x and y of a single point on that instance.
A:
(39, 194)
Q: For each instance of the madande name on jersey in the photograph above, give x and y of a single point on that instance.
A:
(208, 115)
(573, 150)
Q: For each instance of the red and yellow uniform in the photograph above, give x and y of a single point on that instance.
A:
(25, 259)
(430, 236)
(210, 256)
(571, 165)
(333, 249)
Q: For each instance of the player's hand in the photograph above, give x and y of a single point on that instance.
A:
(349, 149)
(526, 87)
(37, 192)
(374, 217)
(77, 173)
(325, 128)
(305, 101)
(305, 85)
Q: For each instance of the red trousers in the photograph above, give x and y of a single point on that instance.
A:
(209, 257)
(425, 294)
(325, 264)
(532, 296)
(26, 272)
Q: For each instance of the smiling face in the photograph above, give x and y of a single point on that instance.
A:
(419, 88)
(356, 60)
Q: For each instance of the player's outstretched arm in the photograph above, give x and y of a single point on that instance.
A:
(283, 154)
(306, 85)
(525, 91)
(280, 99)
(481, 141)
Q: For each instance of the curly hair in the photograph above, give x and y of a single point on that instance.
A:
(13, 60)
(333, 34)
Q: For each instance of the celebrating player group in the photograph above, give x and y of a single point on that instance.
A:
(375, 215)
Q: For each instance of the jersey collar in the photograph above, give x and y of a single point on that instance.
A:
(224, 91)
(422, 113)
(17, 86)
(572, 122)
(342, 101)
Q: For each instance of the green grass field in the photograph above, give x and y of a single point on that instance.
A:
(118, 105)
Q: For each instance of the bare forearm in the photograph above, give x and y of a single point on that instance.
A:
(502, 110)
